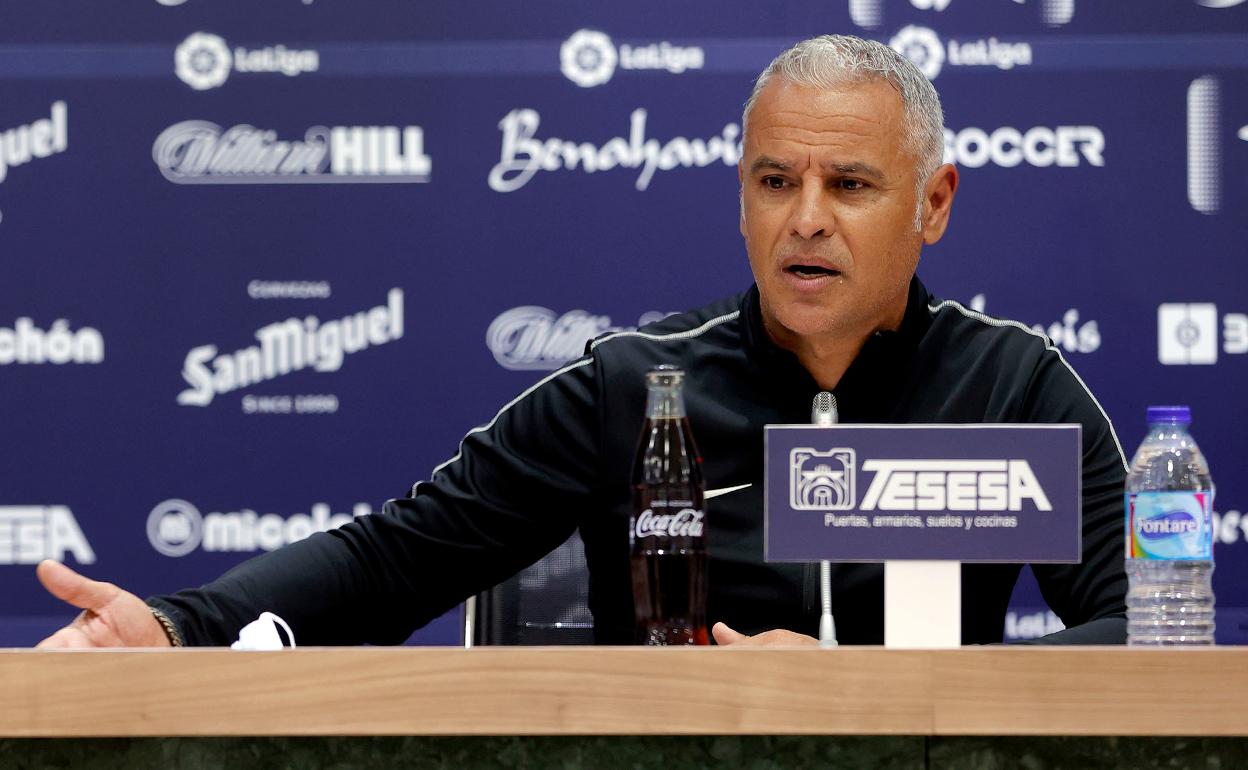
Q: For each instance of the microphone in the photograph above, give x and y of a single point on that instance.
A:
(823, 413)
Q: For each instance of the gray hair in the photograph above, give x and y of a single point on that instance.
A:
(830, 61)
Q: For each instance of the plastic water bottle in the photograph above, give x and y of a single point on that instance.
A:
(1169, 507)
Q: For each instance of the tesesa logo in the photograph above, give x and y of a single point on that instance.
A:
(1187, 333)
(204, 60)
(923, 46)
(825, 481)
(589, 58)
(31, 533)
(822, 481)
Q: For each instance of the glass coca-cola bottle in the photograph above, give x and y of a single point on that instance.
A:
(668, 543)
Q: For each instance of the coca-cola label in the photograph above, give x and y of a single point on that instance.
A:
(686, 523)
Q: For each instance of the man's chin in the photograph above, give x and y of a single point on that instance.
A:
(806, 323)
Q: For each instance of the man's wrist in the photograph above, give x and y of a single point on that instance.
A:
(171, 630)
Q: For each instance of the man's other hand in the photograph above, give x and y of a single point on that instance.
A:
(775, 638)
(110, 616)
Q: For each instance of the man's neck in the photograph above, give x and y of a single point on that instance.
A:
(828, 356)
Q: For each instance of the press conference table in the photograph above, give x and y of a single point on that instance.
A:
(623, 691)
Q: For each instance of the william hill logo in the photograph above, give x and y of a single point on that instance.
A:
(826, 481)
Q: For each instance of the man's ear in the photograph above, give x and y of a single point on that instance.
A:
(937, 202)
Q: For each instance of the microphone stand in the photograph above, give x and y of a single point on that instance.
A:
(824, 414)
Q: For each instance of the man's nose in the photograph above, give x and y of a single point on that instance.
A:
(812, 216)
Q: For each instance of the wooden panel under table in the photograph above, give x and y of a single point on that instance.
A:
(623, 691)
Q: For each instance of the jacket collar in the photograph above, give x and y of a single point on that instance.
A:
(875, 377)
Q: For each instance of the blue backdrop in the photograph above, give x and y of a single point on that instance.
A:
(264, 264)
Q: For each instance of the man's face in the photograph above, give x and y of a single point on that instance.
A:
(828, 209)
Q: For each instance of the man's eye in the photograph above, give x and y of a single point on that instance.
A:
(773, 182)
(852, 184)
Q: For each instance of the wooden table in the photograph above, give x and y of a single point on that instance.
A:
(1088, 691)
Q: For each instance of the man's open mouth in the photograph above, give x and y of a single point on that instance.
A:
(811, 271)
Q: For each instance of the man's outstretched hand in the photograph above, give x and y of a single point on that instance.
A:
(775, 638)
(110, 616)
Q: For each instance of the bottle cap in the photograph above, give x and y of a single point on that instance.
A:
(665, 376)
(1180, 414)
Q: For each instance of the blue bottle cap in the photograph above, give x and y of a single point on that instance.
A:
(1180, 414)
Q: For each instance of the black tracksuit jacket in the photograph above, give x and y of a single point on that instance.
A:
(559, 456)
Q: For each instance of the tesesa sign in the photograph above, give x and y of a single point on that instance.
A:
(1005, 493)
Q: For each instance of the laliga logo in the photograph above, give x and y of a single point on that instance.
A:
(587, 58)
(1187, 333)
(921, 46)
(822, 481)
(202, 61)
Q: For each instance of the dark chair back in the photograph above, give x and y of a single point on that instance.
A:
(547, 603)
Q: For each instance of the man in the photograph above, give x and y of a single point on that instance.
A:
(841, 186)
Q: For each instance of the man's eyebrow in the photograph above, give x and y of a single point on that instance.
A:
(765, 162)
(857, 168)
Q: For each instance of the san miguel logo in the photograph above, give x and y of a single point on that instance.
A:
(289, 346)
(38, 139)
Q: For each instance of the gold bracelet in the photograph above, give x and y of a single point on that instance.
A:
(171, 631)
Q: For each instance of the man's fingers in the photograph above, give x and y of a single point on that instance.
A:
(68, 586)
(66, 638)
(775, 638)
(725, 635)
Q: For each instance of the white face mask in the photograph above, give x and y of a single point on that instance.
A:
(261, 634)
